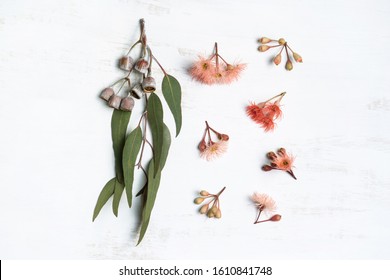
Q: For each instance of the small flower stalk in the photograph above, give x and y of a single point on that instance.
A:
(265, 205)
(211, 208)
(215, 69)
(282, 45)
(280, 161)
(213, 143)
(266, 113)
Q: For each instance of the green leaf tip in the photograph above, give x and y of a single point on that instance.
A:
(105, 194)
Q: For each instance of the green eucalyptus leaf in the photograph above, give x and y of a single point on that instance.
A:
(151, 193)
(117, 197)
(166, 146)
(130, 152)
(172, 93)
(119, 123)
(105, 194)
(155, 119)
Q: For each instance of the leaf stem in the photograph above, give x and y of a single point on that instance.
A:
(216, 56)
(162, 69)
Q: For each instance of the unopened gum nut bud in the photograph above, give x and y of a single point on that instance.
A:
(278, 59)
(264, 40)
(204, 193)
(275, 218)
(198, 200)
(271, 155)
(224, 137)
(142, 66)
(282, 41)
(266, 168)
(281, 152)
(218, 215)
(297, 57)
(107, 93)
(202, 146)
(263, 48)
(126, 63)
(204, 209)
(114, 101)
(210, 214)
(214, 209)
(127, 104)
(289, 65)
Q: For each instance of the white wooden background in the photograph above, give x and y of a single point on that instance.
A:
(55, 146)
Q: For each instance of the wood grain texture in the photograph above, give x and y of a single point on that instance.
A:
(56, 57)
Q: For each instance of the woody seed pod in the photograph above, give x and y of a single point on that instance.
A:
(137, 91)
(149, 84)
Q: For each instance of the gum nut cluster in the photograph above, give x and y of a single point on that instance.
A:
(264, 41)
(211, 207)
(215, 69)
(138, 79)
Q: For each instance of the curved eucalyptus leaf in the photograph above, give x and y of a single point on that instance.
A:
(119, 123)
(151, 193)
(130, 152)
(105, 194)
(166, 146)
(155, 119)
(117, 197)
(172, 94)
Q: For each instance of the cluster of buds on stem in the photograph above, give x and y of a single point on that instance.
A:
(266, 205)
(283, 46)
(213, 210)
(210, 149)
(138, 79)
(280, 161)
(215, 69)
(267, 112)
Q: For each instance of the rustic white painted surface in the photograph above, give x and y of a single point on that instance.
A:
(55, 155)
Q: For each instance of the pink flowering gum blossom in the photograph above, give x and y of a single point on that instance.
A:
(215, 69)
